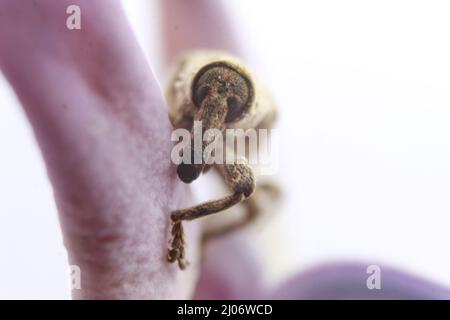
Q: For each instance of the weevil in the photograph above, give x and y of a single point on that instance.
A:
(218, 90)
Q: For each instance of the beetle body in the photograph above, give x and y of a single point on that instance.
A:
(261, 113)
(219, 92)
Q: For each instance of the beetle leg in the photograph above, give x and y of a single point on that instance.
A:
(251, 211)
(239, 177)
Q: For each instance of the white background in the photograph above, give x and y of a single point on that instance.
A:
(364, 95)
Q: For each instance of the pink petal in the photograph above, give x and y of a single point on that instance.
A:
(349, 281)
(101, 123)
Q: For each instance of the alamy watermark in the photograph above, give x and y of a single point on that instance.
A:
(73, 21)
(374, 280)
(74, 277)
(258, 146)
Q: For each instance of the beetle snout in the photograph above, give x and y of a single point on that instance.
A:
(188, 172)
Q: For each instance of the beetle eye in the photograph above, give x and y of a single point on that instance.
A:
(235, 109)
(200, 95)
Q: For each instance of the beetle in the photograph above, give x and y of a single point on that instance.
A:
(218, 90)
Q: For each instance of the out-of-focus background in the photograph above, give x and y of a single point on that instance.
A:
(364, 96)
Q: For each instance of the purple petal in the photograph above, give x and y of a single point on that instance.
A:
(349, 281)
